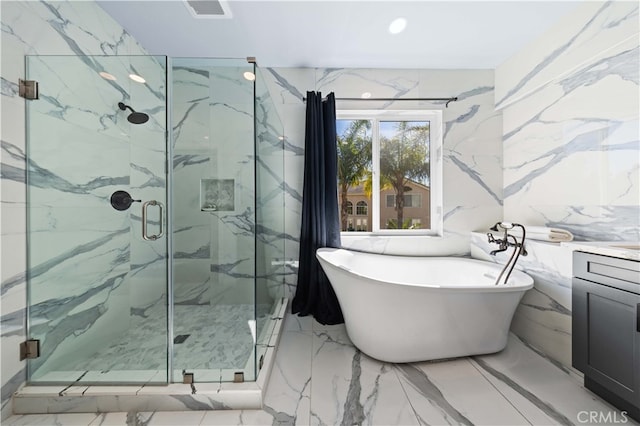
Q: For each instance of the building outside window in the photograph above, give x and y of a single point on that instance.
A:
(414, 208)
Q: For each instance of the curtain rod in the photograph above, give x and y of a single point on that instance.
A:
(449, 100)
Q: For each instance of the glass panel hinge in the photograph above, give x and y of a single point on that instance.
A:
(29, 349)
(187, 378)
(28, 89)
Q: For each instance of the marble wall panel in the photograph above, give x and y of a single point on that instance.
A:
(572, 141)
(472, 150)
(592, 28)
(570, 103)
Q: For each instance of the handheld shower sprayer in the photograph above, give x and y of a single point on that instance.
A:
(504, 225)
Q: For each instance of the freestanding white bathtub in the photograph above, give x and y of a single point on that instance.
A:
(406, 309)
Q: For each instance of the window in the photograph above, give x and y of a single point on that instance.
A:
(411, 200)
(393, 158)
(391, 200)
(361, 208)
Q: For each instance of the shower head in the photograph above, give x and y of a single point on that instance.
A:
(134, 117)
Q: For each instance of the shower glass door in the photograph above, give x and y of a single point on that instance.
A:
(227, 218)
(97, 251)
(214, 205)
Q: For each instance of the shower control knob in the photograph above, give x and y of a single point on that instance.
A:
(121, 200)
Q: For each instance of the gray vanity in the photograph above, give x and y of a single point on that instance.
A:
(606, 322)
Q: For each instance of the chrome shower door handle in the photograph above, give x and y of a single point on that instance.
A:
(145, 206)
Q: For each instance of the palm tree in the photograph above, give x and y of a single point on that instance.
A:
(354, 160)
(404, 157)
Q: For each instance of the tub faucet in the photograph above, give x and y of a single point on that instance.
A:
(505, 242)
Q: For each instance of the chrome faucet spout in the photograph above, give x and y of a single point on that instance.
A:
(494, 252)
(502, 244)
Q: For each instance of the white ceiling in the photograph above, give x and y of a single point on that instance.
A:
(349, 34)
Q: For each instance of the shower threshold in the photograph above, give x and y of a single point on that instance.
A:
(36, 399)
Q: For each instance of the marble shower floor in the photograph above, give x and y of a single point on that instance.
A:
(319, 378)
(219, 338)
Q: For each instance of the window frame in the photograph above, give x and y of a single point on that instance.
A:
(435, 119)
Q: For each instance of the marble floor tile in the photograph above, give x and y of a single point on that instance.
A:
(237, 418)
(448, 391)
(320, 378)
(288, 392)
(108, 419)
(348, 387)
(159, 418)
(297, 323)
(542, 392)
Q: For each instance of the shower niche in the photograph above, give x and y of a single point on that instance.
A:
(109, 306)
(217, 195)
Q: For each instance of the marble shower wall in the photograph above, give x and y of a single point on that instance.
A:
(192, 160)
(270, 233)
(570, 105)
(213, 183)
(68, 28)
(220, 246)
(472, 150)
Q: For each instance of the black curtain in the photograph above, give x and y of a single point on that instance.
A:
(320, 216)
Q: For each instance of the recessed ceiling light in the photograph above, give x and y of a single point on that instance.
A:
(249, 75)
(366, 95)
(397, 25)
(107, 76)
(281, 138)
(137, 78)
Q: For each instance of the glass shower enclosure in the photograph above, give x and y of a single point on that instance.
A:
(228, 209)
(155, 213)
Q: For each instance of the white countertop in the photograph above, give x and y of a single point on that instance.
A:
(620, 249)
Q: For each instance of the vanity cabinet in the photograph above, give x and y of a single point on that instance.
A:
(606, 328)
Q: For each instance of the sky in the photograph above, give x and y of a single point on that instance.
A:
(387, 128)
